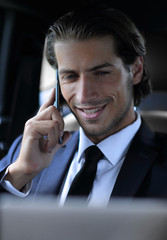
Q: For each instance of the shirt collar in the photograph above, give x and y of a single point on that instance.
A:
(115, 146)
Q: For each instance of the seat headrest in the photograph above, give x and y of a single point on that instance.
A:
(156, 59)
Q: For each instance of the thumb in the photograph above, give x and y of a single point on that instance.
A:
(66, 137)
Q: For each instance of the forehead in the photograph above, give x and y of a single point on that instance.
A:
(85, 51)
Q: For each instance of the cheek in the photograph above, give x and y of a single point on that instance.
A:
(68, 92)
(119, 85)
(112, 89)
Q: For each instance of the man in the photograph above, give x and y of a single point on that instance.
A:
(100, 57)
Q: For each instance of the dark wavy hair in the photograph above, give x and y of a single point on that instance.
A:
(95, 21)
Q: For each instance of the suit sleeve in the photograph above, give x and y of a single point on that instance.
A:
(10, 157)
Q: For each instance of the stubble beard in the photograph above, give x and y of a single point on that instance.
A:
(115, 122)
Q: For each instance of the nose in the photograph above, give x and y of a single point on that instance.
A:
(87, 89)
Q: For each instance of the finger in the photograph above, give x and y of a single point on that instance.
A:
(47, 133)
(51, 113)
(52, 140)
(38, 129)
(65, 138)
(49, 144)
(49, 102)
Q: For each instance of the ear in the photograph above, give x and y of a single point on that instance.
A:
(137, 70)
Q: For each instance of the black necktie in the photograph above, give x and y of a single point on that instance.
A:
(83, 181)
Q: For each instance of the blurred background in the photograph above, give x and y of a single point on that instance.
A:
(26, 78)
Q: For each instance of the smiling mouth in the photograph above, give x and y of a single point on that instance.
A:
(92, 112)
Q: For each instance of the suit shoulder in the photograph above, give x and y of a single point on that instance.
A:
(162, 137)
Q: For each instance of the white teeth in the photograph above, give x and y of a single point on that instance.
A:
(91, 111)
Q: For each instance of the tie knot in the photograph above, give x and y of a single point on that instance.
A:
(93, 154)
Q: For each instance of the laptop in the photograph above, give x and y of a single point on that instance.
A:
(44, 219)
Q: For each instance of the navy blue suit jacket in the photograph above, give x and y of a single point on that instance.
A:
(143, 173)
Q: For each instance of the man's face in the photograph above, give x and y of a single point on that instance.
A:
(96, 86)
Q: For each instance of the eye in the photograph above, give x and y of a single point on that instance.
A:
(102, 73)
(69, 77)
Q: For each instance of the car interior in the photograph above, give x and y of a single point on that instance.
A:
(24, 83)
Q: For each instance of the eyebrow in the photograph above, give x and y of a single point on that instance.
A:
(89, 69)
(100, 66)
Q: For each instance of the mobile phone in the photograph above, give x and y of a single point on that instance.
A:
(57, 103)
(57, 98)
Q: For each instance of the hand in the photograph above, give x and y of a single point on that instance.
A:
(40, 143)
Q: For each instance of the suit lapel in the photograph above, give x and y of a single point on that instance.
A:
(138, 161)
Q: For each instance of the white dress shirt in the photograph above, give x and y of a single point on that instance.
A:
(114, 149)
